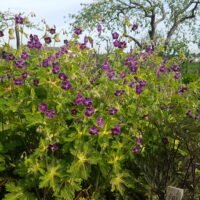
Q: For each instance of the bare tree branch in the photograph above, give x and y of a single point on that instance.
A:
(131, 37)
(178, 19)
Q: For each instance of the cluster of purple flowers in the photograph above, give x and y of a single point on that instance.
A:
(87, 102)
(175, 69)
(19, 19)
(138, 146)
(117, 43)
(139, 85)
(119, 92)
(112, 111)
(116, 130)
(21, 63)
(66, 84)
(182, 90)
(34, 42)
(109, 71)
(49, 113)
(10, 57)
(122, 74)
(18, 81)
(131, 62)
(190, 114)
(78, 30)
(94, 130)
(120, 44)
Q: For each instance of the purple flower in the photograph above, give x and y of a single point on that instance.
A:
(37, 45)
(87, 101)
(139, 89)
(197, 116)
(122, 45)
(142, 83)
(50, 113)
(53, 147)
(1, 34)
(177, 75)
(115, 35)
(56, 68)
(94, 130)
(100, 121)
(119, 92)
(111, 74)
(122, 75)
(62, 76)
(89, 111)
(149, 50)
(133, 68)
(99, 28)
(45, 63)
(20, 63)
(35, 82)
(136, 149)
(162, 69)
(175, 68)
(78, 30)
(52, 31)
(18, 81)
(189, 113)
(139, 141)
(19, 19)
(79, 99)
(34, 42)
(182, 90)
(134, 27)
(129, 61)
(24, 75)
(116, 130)
(112, 111)
(10, 57)
(132, 84)
(116, 43)
(47, 40)
(24, 55)
(66, 85)
(106, 66)
(42, 107)
(82, 46)
(66, 42)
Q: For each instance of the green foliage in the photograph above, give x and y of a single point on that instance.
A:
(59, 157)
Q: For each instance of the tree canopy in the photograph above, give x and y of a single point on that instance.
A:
(154, 20)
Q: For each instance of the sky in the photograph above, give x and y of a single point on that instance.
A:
(55, 12)
(52, 10)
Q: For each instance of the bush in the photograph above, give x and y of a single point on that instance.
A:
(73, 128)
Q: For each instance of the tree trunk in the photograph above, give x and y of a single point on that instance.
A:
(17, 36)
